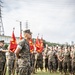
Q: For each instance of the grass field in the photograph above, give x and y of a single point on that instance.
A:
(42, 73)
(45, 73)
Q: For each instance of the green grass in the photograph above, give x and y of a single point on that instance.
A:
(42, 73)
(46, 73)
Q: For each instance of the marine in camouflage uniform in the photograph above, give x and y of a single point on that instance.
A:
(2, 58)
(51, 60)
(73, 60)
(67, 61)
(45, 57)
(23, 54)
(60, 60)
(56, 59)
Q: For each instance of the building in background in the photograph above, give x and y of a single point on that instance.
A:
(7, 39)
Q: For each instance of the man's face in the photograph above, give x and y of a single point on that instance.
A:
(28, 35)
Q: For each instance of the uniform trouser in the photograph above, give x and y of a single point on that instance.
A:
(73, 66)
(46, 63)
(32, 64)
(40, 63)
(60, 66)
(25, 70)
(10, 66)
(67, 66)
(2, 66)
(56, 66)
(52, 65)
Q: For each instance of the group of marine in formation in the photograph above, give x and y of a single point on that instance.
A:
(52, 59)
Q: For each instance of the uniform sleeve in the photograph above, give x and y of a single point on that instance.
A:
(21, 44)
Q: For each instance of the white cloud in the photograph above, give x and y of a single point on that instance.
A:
(54, 19)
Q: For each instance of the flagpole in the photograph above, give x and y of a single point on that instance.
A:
(13, 28)
(20, 26)
(26, 24)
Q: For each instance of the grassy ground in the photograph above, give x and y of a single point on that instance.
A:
(42, 73)
(45, 73)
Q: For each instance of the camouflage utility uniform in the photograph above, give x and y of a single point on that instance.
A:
(51, 60)
(60, 60)
(24, 59)
(67, 62)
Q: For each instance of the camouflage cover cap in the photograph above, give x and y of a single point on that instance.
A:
(27, 31)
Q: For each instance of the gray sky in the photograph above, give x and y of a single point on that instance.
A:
(54, 19)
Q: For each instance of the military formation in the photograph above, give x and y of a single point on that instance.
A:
(61, 59)
(53, 59)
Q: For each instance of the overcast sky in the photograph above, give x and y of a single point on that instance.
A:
(54, 19)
